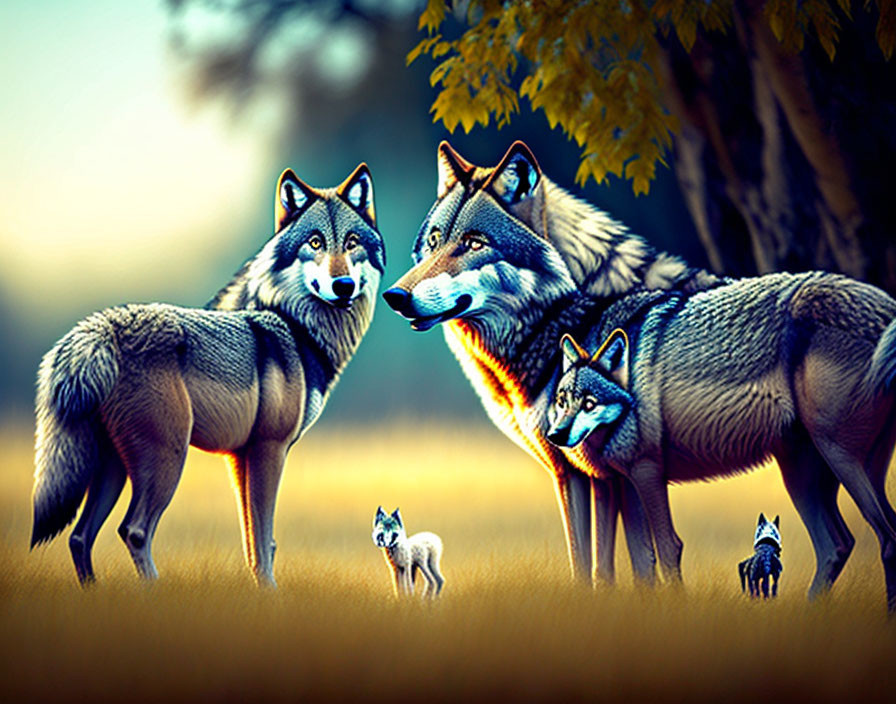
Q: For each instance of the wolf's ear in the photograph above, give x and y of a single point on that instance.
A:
(452, 168)
(396, 514)
(572, 351)
(380, 514)
(761, 519)
(777, 521)
(357, 191)
(516, 176)
(613, 357)
(292, 197)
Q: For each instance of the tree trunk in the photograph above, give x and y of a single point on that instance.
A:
(783, 158)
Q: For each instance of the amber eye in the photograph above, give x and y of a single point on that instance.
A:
(473, 243)
(561, 400)
(433, 240)
(316, 241)
(352, 241)
(589, 404)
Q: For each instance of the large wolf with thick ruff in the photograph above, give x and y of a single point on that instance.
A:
(128, 389)
(510, 262)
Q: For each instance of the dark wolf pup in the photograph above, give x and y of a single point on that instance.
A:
(509, 261)
(127, 390)
(764, 565)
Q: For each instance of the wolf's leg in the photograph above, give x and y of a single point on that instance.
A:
(647, 476)
(436, 572)
(150, 424)
(264, 466)
(429, 588)
(103, 492)
(813, 489)
(637, 534)
(574, 496)
(606, 510)
(852, 473)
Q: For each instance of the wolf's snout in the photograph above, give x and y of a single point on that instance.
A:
(344, 286)
(398, 299)
(559, 437)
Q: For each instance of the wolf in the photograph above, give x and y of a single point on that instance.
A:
(406, 555)
(717, 382)
(508, 262)
(764, 564)
(128, 389)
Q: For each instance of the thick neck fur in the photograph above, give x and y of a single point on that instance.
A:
(337, 331)
(604, 258)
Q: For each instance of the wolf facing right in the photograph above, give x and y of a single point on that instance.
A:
(711, 384)
(125, 392)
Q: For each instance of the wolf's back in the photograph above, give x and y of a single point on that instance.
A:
(74, 378)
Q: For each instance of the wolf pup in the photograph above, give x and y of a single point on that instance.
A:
(765, 563)
(648, 408)
(508, 261)
(406, 555)
(128, 389)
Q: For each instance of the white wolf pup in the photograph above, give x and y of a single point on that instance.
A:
(406, 555)
(128, 389)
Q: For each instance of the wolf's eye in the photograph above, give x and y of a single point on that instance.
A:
(589, 404)
(351, 242)
(433, 240)
(473, 243)
(316, 241)
(561, 400)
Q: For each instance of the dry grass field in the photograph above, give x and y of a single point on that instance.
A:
(510, 625)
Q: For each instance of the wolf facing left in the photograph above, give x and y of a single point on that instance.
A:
(127, 390)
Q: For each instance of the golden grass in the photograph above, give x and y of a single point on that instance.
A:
(510, 625)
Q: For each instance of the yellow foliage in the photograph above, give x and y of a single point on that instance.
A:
(592, 66)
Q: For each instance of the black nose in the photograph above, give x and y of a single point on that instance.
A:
(397, 298)
(559, 437)
(344, 286)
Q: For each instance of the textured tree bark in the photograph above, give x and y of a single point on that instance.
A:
(781, 158)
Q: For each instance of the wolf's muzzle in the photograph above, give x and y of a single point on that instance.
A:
(559, 437)
(401, 302)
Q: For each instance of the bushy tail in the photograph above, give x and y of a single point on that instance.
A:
(882, 373)
(74, 378)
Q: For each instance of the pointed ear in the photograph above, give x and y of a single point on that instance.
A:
(357, 191)
(516, 176)
(396, 514)
(379, 512)
(292, 197)
(777, 521)
(761, 519)
(452, 168)
(613, 358)
(572, 351)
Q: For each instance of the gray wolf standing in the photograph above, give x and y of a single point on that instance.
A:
(406, 555)
(765, 563)
(125, 392)
(510, 262)
(674, 397)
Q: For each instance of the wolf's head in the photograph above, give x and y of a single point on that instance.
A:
(767, 532)
(388, 529)
(592, 392)
(480, 248)
(326, 247)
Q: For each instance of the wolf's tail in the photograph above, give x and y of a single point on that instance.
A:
(882, 373)
(74, 378)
